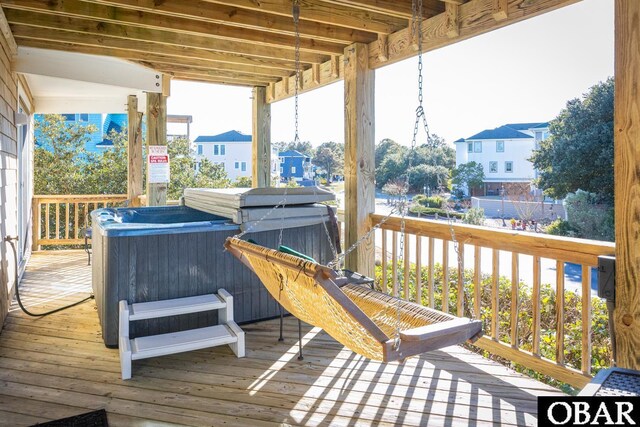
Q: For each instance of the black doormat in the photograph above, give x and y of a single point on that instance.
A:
(90, 419)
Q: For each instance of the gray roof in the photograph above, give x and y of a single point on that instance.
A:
(230, 136)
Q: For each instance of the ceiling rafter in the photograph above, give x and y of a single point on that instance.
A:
(150, 20)
(398, 8)
(135, 34)
(172, 69)
(228, 15)
(219, 81)
(332, 14)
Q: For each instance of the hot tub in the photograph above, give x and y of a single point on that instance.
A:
(156, 253)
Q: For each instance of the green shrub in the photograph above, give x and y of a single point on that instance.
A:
(589, 218)
(474, 216)
(429, 202)
(560, 227)
(600, 339)
(419, 210)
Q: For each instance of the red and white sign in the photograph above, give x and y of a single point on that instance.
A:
(158, 164)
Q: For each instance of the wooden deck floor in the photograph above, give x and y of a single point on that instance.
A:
(57, 366)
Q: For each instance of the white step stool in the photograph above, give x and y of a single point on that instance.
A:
(227, 332)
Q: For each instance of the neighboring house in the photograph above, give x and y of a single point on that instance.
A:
(231, 149)
(504, 154)
(295, 165)
(104, 123)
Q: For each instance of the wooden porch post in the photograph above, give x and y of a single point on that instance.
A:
(134, 152)
(627, 182)
(359, 166)
(261, 139)
(156, 135)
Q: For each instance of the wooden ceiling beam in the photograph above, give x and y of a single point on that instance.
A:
(473, 18)
(48, 35)
(214, 80)
(324, 13)
(135, 34)
(156, 58)
(398, 8)
(218, 74)
(116, 15)
(246, 19)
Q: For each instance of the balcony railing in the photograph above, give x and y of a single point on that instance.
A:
(62, 219)
(425, 235)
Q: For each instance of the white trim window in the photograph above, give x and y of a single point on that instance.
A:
(200, 149)
(469, 147)
(499, 146)
(243, 166)
(236, 165)
(477, 147)
(493, 167)
(293, 169)
(508, 167)
(222, 150)
(216, 150)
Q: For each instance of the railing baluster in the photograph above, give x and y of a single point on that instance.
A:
(477, 277)
(407, 266)
(460, 263)
(586, 319)
(394, 262)
(560, 312)
(36, 218)
(384, 261)
(495, 277)
(66, 220)
(57, 220)
(432, 271)
(515, 298)
(418, 269)
(76, 227)
(535, 302)
(445, 276)
(47, 222)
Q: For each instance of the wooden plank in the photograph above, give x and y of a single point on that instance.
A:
(156, 135)
(399, 8)
(452, 12)
(261, 139)
(359, 123)
(76, 224)
(406, 267)
(8, 35)
(586, 320)
(394, 263)
(535, 302)
(445, 275)
(579, 251)
(36, 217)
(67, 206)
(560, 312)
(384, 261)
(495, 295)
(477, 279)
(418, 270)
(461, 290)
(627, 179)
(515, 297)
(500, 10)
(432, 272)
(47, 221)
(330, 71)
(383, 42)
(134, 151)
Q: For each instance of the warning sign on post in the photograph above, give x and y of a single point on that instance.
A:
(158, 164)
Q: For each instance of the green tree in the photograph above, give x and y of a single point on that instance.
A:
(330, 157)
(59, 152)
(468, 175)
(579, 152)
(106, 172)
(303, 147)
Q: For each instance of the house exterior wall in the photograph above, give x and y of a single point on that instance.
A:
(8, 175)
(287, 165)
(516, 151)
(100, 121)
(239, 152)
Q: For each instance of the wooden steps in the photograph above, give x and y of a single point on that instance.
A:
(227, 332)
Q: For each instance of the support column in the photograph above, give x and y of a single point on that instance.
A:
(156, 135)
(134, 152)
(359, 165)
(261, 139)
(627, 182)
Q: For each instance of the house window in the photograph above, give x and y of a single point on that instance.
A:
(499, 146)
(493, 167)
(216, 150)
(243, 167)
(508, 166)
(293, 169)
(236, 165)
(222, 150)
(197, 166)
(83, 117)
(200, 149)
(470, 147)
(69, 117)
(477, 147)
(281, 160)
(281, 170)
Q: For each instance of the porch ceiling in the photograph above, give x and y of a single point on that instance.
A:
(251, 43)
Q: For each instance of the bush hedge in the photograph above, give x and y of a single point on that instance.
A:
(600, 338)
(419, 210)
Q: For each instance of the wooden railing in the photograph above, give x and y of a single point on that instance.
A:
(439, 236)
(62, 219)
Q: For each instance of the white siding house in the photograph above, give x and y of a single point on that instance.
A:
(231, 149)
(503, 153)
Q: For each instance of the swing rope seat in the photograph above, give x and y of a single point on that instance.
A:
(361, 319)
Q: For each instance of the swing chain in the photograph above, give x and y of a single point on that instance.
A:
(296, 22)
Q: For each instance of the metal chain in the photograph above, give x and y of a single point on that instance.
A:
(296, 22)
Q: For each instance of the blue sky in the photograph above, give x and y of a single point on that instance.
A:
(525, 72)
